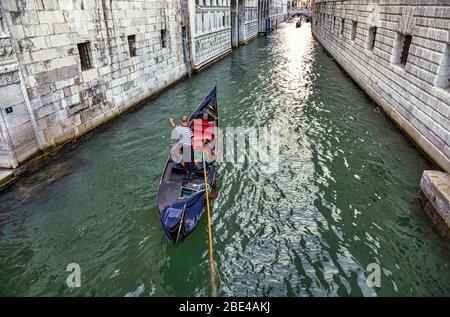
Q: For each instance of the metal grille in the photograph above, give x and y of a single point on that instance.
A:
(354, 25)
(163, 38)
(132, 45)
(405, 51)
(373, 36)
(84, 49)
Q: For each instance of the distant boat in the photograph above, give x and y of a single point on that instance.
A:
(181, 203)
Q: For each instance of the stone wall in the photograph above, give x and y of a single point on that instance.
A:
(134, 48)
(17, 136)
(398, 53)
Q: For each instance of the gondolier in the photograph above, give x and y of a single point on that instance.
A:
(185, 139)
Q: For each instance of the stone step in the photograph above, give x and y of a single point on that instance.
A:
(435, 192)
(6, 178)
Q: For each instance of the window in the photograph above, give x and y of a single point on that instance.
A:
(334, 22)
(400, 49)
(405, 50)
(371, 38)
(84, 49)
(342, 26)
(132, 45)
(223, 20)
(163, 38)
(443, 78)
(354, 25)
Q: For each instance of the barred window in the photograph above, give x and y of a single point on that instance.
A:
(84, 49)
(371, 38)
(405, 50)
(342, 26)
(163, 38)
(132, 45)
(354, 26)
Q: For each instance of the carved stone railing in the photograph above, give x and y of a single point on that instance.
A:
(251, 29)
(6, 49)
(210, 46)
(8, 64)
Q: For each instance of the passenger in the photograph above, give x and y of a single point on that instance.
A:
(200, 149)
(211, 145)
(203, 128)
(185, 139)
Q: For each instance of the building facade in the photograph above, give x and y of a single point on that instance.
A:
(210, 30)
(400, 55)
(270, 14)
(302, 4)
(277, 12)
(249, 25)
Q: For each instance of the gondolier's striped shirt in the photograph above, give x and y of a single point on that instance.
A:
(184, 134)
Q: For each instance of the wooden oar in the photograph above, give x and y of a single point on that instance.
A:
(211, 259)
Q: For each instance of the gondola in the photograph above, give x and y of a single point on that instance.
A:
(181, 202)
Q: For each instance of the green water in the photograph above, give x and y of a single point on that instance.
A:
(345, 195)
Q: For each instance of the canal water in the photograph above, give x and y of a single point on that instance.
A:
(344, 199)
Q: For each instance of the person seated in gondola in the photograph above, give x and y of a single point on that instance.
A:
(202, 151)
(203, 128)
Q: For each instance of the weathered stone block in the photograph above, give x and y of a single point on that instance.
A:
(44, 55)
(436, 188)
(49, 17)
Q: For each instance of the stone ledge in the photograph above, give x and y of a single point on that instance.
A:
(435, 194)
(6, 178)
